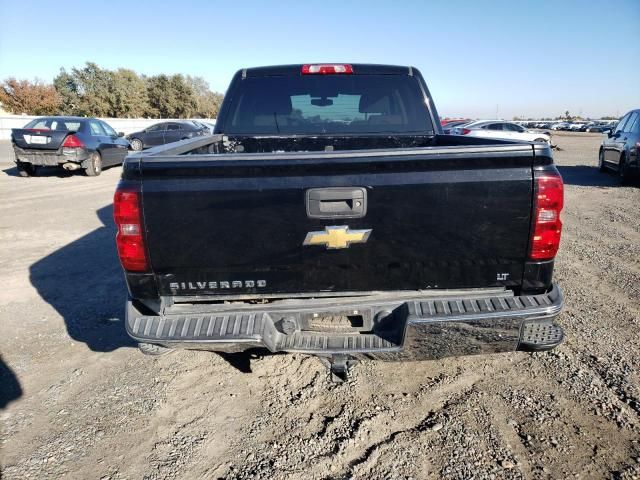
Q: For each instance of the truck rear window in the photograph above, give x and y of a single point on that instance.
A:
(328, 104)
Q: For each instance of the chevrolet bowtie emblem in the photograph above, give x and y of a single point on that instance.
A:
(337, 237)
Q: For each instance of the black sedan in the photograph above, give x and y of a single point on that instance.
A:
(620, 151)
(72, 143)
(166, 132)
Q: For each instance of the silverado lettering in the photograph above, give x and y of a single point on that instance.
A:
(216, 285)
(307, 160)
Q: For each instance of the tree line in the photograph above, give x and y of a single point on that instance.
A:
(92, 91)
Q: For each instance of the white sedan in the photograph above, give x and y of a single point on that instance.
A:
(501, 129)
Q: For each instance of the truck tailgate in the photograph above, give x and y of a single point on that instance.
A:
(236, 224)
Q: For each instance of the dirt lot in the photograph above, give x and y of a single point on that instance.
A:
(86, 404)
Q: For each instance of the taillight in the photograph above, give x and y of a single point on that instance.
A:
(72, 142)
(547, 227)
(464, 131)
(326, 69)
(129, 239)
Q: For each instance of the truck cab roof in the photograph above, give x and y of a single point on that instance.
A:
(296, 69)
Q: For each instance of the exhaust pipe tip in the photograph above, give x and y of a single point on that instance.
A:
(71, 166)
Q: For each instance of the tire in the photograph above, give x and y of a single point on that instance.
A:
(136, 144)
(601, 165)
(26, 169)
(623, 170)
(94, 165)
(153, 349)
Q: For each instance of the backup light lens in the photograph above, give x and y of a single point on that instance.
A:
(327, 69)
(130, 229)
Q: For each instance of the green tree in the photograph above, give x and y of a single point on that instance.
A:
(158, 104)
(86, 91)
(185, 98)
(33, 98)
(67, 88)
(93, 91)
(170, 97)
(207, 102)
(128, 95)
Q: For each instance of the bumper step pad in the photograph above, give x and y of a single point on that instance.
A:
(199, 327)
(310, 342)
(538, 336)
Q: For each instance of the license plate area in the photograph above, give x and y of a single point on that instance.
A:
(344, 321)
(36, 139)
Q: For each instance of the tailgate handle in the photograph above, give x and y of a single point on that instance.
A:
(336, 202)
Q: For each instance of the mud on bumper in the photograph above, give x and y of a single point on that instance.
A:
(402, 327)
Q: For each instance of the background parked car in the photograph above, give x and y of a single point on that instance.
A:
(70, 142)
(620, 151)
(445, 121)
(501, 129)
(447, 129)
(166, 132)
(208, 125)
(598, 128)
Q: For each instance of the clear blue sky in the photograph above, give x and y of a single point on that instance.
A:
(519, 58)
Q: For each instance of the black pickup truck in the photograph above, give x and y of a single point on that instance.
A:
(329, 215)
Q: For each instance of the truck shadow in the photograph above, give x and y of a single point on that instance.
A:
(241, 361)
(83, 281)
(10, 388)
(42, 172)
(587, 176)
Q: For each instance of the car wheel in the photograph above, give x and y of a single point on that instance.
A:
(601, 165)
(94, 165)
(153, 349)
(136, 144)
(26, 169)
(623, 170)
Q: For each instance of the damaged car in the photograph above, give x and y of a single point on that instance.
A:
(72, 143)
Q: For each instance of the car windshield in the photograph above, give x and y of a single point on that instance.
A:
(328, 104)
(54, 124)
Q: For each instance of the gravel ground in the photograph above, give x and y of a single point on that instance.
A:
(85, 404)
